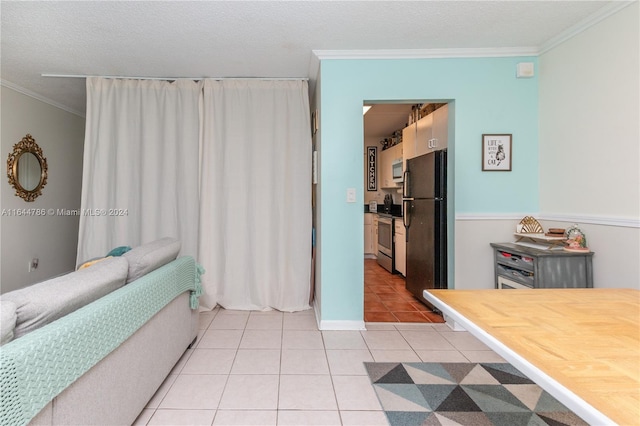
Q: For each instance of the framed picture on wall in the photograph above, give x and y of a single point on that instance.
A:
(496, 152)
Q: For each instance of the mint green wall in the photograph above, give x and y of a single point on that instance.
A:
(488, 98)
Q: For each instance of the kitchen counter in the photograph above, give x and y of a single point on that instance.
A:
(395, 215)
(396, 210)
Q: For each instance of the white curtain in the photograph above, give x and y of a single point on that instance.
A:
(140, 171)
(255, 211)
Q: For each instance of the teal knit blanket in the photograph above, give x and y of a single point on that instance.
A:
(40, 365)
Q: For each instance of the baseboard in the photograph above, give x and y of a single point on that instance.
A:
(341, 325)
(337, 324)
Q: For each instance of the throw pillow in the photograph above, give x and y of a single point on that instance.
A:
(119, 251)
(148, 257)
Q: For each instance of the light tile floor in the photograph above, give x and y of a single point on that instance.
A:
(275, 368)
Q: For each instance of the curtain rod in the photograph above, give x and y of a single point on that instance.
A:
(172, 78)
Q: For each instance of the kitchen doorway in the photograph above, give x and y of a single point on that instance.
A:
(385, 297)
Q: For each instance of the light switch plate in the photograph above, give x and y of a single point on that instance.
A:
(351, 195)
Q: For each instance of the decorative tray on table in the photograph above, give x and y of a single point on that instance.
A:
(539, 241)
(539, 237)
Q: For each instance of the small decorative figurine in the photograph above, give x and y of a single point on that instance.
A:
(576, 240)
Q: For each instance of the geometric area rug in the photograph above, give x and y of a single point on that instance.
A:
(478, 394)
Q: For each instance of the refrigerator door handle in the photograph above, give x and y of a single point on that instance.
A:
(405, 184)
(406, 216)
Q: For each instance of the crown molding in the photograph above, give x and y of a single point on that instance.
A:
(26, 92)
(320, 55)
(425, 53)
(591, 20)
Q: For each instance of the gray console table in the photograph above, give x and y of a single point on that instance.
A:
(518, 266)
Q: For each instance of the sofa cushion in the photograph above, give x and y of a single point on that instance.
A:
(45, 302)
(147, 257)
(7, 321)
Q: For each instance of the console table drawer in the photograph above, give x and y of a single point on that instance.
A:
(506, 283)
(514, 260)
(518, 275)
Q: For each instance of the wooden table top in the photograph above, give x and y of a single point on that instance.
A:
(587, 340)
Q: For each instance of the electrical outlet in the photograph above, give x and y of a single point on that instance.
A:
(33, 264)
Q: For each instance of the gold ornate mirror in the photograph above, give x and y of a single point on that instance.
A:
(27, 169)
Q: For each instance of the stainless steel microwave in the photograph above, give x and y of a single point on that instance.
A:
(396, 170)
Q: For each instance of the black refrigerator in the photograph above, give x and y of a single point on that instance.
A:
(424, 199)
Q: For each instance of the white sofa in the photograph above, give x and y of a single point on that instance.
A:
(98, 364)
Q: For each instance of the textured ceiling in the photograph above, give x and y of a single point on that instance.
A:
(247, 38)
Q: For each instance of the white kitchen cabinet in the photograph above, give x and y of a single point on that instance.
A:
(440, 134)
(387, 157)
(430, 133)
(424, 134)
(400, 247)
(368, 234)
(385, 168)
(409, 142)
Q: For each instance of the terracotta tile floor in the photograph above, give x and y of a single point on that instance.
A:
(387, 300)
